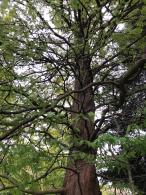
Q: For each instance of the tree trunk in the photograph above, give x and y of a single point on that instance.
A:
(80, 178)
(82, 182)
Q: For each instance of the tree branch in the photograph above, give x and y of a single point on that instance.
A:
(51, 191)
(133, 70)
(14, 182)
(128, 77)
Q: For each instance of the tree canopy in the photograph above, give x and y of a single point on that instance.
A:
(72, 87)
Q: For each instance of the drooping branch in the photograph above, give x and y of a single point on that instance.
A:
(51, 191)
(133, 71)
(16, 185)
(128, 77)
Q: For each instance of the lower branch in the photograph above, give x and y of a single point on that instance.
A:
(51, 191)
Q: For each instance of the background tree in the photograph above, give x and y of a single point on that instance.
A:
(67, 78)
(134, 110)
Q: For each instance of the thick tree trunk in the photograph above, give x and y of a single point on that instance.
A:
(80, 178)
(83, 181)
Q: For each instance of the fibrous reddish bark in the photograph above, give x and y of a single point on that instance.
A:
(80, 178)
(83, 181)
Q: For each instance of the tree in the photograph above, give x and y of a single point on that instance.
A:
(66, 80)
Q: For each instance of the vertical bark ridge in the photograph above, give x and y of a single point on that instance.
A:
(84, 182)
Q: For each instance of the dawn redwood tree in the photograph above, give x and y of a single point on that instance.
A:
(66, 73)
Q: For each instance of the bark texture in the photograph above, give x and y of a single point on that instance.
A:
(81, 178)
(84, 182)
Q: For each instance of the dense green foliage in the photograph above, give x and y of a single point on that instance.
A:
(41, 45)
